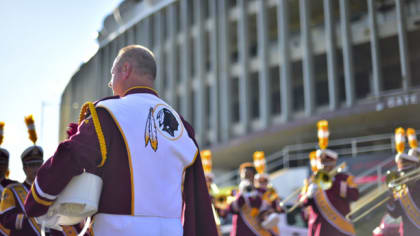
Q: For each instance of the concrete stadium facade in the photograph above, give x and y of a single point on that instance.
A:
(258, 74)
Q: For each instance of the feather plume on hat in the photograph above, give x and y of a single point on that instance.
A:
(30, 123)
(1, 131)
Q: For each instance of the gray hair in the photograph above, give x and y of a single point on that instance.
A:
(141, 57)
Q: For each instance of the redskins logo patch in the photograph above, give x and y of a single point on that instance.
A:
(162, 119)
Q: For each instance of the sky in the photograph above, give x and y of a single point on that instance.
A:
(42, 44)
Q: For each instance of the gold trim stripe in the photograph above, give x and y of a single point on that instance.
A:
(21, 195)
(410, 207)
(38, 199)
(138, 87)
(129, 157)
(333, 217)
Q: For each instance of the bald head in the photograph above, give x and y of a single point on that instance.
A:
(141, 58)
(134, 66)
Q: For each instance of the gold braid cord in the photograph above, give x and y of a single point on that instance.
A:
(98, 129)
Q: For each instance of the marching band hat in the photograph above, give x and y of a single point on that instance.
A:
(247, 165)
(414, 152)
(326, 153)
(261, 176)
(4, 154)
(408, 157)
(33, 154)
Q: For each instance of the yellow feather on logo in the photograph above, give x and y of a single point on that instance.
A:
(150, 132)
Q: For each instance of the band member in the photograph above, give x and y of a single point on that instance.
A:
(268, 217)
(247, 206)
(314, 168)
(145, 153)
(406, 198)
(13, 214)
(328, 207)
(4, 172)
(211, 186)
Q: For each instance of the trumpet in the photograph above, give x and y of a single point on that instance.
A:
(223, 197)
(404, 178)
(323, 179)
(394, 182)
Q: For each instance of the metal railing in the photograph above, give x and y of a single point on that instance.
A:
(297, 155)
(380, 172)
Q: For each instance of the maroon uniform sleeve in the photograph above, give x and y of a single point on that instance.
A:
(197, 217)
(15, 220)
(236, 205)
(394, 208)
(352, 192)
(9, 219)
(73, 156)
(12, 216)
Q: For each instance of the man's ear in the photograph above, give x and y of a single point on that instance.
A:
(127, 69)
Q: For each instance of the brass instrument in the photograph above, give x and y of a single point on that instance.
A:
(224, 197)
(404, 178)
(322, 178)
(395, 181)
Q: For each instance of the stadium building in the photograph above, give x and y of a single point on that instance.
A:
(258, 74)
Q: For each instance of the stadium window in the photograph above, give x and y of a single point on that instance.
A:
(294, 18)
(235, 100)
(362, 70)
(390, 59)
(233, 42)
(232, 3)
(177, 17)
(151, 32)
(192, 56)
(413, 37)
(252, 35)
(321, 80)
(297, 86)
(177, 62)
(164, 75)
(177, 102)
(358, 9)
(272, 24)
(275, 90)
(190, 6)
(206, 8)
(255, 95)
(134, 35)
(207, 52)
(164, 24)
(193, 98)
(340, 76)
(207, 104)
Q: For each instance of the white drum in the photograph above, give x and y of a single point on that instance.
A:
(79, 200)
(272, 220)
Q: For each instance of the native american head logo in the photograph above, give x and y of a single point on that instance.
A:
(167, 121)
(161, 118)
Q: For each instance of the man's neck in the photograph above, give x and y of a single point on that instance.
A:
(28, 181)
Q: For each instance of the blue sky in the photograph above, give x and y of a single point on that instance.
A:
(42, 43)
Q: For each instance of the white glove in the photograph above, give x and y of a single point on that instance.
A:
(311, 190)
